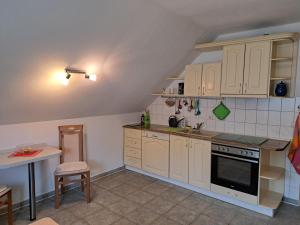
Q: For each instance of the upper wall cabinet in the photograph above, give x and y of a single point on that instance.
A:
(257, 68)
(252, 67)
(211, 79)
(192, 80)
(246, 69)
(233, 69)
(202, 79)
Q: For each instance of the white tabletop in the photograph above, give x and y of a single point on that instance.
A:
(8, 162)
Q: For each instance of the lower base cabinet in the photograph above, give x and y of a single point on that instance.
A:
(190, 161)
(179, 162)
(199, 163)
(155, 156)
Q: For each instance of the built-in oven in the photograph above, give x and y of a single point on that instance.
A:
(235, 168)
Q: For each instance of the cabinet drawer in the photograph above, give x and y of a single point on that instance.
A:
(133, 152)
(132, 143)
(131, 161)
(133, 133)
(235, 194)
(156, 135)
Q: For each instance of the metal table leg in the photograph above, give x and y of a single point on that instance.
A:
(32, 206)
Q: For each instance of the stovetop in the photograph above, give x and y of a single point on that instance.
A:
(243, 139)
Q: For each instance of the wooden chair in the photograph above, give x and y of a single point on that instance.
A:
(6, 192)
(44, 221)
(72, 162)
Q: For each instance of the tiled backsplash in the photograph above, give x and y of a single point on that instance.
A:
(273, 118)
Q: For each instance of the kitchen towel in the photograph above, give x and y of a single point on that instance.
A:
(294, 153)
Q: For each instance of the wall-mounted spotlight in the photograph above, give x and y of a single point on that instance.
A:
(70, 71)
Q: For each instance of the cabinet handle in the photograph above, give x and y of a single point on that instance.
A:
(240, 90)
(203, 90)
(245, 87)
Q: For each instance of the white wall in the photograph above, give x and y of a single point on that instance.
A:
(103, 141)
(273, 118)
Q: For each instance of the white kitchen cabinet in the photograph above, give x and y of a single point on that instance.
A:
(199, 163)
(179, 158)
(233, 69)
(132, 147)
(257, 68)
(155, 156)
(211, 79)
(192, 80)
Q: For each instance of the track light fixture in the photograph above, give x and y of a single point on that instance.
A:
(71, 71)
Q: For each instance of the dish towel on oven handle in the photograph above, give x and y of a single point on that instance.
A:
(294, 153)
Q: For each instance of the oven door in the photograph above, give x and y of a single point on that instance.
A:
(235, 172)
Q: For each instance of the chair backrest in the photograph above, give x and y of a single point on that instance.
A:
(71, 143)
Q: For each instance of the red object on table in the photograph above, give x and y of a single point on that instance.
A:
(22, 153)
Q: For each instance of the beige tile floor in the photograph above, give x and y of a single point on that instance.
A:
(128, 198)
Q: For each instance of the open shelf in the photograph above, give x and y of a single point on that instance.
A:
(271, 172)
(282, 59)
(270, 199)
(175, 78)
(169, 95)
(280, 78)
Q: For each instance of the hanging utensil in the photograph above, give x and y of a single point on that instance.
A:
(179, 105)
(170, 102)
(185, 102)
(190, 108)
(198, 108)
(177, 111)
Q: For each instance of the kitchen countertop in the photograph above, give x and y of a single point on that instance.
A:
(269, 144)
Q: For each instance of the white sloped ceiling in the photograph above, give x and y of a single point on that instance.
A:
(133, 45)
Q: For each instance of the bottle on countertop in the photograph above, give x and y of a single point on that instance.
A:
(147, 119)
(142, 119)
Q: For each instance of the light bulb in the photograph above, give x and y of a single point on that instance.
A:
(65, 81)
(92, 76)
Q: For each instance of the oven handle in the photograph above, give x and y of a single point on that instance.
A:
(237, 158)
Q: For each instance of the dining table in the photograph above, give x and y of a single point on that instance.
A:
(8, 161)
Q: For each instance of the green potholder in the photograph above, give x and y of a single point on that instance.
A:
(221, 111)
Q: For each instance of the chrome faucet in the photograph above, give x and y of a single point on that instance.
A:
(199, 125)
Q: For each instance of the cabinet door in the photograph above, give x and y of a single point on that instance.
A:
(233, 69)
(192, 80)
(155, 156)
(179, 158)
(257, 67)
(199, 163)
(211, 79)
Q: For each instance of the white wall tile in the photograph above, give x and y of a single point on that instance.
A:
(288, 104)
(275, 104)
(297, 103)
(261, 130)
(263, 104)
(250, 129)
(250, 116)
(230, 103)
(240, 103)
(220, 126)
(274, 118)
(229, 127)
(239, 128)
(240, 115)
(211, 103)
(273, 131)
(251, 103)
(262, 117)
(231, 116)
(287, 118)
(286, 132)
